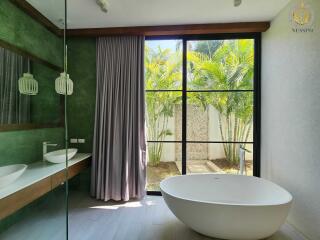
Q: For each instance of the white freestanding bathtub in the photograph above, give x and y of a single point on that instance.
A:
(227, 206)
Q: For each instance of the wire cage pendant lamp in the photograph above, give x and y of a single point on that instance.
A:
(27, 84)
(64, 85)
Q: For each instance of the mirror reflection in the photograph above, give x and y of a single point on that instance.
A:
(27, 91)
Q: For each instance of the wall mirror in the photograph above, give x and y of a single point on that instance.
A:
(28, 99)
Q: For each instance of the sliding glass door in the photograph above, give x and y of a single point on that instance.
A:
(202, 106)
(163, 78)
(220, 87)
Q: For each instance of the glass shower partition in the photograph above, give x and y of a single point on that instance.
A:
(33, 120)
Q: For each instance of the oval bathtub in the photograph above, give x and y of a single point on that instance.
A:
(227, 206)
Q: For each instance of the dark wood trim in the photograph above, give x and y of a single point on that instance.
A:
(18, 200)
(29, 55)
(59, 178)
(37, 16)
(31, 126)
(169, 30)
(27, 126)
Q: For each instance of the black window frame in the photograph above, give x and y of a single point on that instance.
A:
(256, 94)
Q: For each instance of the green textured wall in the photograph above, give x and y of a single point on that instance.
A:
(46, 105)
(19, 29)
(26, 146)
(81, 105)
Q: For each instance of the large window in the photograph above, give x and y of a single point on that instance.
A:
(202, 106)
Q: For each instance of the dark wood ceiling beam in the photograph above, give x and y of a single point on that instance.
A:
(39, 17)
(191, 29)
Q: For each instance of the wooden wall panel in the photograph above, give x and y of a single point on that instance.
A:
(193, 29)
(14, 202)
(18, 200)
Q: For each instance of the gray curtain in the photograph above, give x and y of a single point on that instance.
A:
(119, 148)
(14, 107)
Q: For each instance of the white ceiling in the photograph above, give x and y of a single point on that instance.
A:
(87, 14)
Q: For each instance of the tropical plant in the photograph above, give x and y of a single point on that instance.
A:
(229, 67)
(162, 72)
(207, 47)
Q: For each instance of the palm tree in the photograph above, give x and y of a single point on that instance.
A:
(162, 72)
(229, 67)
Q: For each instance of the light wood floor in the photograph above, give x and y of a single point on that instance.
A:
(89, 219)
(149, 219)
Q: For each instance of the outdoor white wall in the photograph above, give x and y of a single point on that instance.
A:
(169, 151)
(215, 151)
(290, 134)
(209, 126)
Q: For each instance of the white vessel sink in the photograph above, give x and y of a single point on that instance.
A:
(9, 174)
(59, 156)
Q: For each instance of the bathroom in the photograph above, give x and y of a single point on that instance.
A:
(133, 120)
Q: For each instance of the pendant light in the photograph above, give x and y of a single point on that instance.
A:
(63, 83)
(27, 84)
(104, 5)
(237, 3)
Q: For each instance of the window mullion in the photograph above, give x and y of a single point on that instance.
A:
(184, 107)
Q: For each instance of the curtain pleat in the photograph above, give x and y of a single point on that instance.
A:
(119, 150)
(14, 107)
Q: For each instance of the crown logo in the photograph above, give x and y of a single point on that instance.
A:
(302, 15)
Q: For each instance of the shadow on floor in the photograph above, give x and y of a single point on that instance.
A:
(89, 219)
